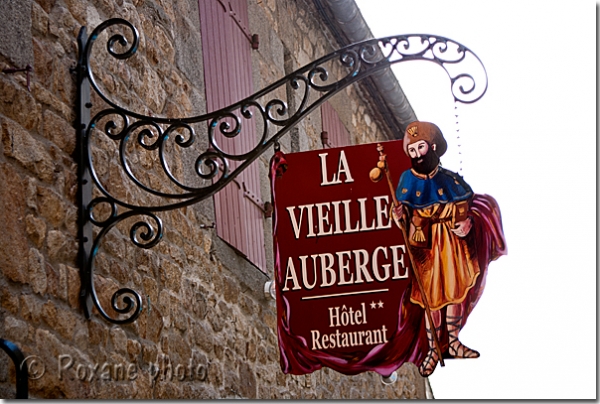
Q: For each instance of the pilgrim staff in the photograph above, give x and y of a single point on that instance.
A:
(376, 175)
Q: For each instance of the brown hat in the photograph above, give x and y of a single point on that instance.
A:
(427, 131)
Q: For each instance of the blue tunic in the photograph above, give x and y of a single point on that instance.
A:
(445, 186)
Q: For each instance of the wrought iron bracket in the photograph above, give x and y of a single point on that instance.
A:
(214, 165)
(21, 370)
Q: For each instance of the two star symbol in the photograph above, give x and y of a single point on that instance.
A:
(379, 304)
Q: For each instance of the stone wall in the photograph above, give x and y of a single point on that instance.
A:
(206, 330)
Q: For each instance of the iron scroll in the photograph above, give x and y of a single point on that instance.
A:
(214, 165)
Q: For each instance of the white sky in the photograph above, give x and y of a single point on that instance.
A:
(531, 143)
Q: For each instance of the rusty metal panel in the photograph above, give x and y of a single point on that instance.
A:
(228, 79)
(331, 123)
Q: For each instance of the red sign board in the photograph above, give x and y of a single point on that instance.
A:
(342, 270)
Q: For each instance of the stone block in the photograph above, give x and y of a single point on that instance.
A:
(50, 206)
(46, 5)
(8, 300)
(31, 308)
(119, 340)
(216, 320)
(59, 131)
(262, 355)
(215, 374)
(141, 387)
(46, 97)
(164, 301)
(250, 351)
(15, 32)
(20, 145)
(98, 333)
(15, 330)
(203, 337)
(175, 252)
(63, 321)
(247, 381)
(134, 348)
(73, 286)
(164, 344)
(166, 389)
(154, 325)
(36, 230)
(269, 320)
(180, 318)
(30, 190)
(71, 222)
(149, 352)
(18, 104)
(248, 306)
(53, 281)
(13, 237)
(265, 392)
(63, 84)
(49, 313)
(180, 349)
(188, 54)
(81, 337)
(44, 66)
(231, 290)
(150, 288)
(36, 269)
(60, 248)
(120, 271)
(113, 391)
(39, 23)
(170, 275)
(272, 355)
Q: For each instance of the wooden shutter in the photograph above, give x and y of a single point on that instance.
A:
(228, 79)
(331, 123)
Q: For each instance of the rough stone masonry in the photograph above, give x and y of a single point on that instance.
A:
(206, 330)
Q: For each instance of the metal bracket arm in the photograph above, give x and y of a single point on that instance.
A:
(212, 164)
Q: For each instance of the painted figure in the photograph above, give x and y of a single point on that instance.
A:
(452, 233)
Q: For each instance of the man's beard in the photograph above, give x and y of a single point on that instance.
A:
(429, 163)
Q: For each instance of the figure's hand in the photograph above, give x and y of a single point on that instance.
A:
(463, 228)
(398, 214)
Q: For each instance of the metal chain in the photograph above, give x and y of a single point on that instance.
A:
(458, 141)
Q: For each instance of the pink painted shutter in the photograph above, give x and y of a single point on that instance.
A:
(331, 123)
(228, 79)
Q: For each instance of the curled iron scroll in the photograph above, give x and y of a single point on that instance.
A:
(124, 301)
(214, 167)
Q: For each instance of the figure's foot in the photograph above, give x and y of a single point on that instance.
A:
(458, 350)
(429, 364)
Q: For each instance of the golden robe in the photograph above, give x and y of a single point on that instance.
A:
(449, 268)
(452, 269)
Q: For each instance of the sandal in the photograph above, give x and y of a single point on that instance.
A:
(431, 360)
(456, 348)
(429, 364)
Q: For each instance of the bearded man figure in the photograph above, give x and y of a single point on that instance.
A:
(453, 234)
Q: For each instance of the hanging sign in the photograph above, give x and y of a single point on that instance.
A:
(373, 244)
(341, 265)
